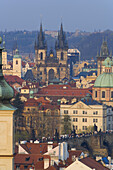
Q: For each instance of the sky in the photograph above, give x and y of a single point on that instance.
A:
(85, 15)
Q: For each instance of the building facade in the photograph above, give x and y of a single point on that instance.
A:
(50, 67)
(85, 113)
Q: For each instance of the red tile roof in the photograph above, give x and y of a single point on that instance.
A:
(31, 159)
(13, 79)
(31, 102)
(93, 164)
(35, 148)
(25, 87)
(63, 92)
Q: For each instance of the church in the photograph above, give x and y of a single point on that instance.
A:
(49, 68)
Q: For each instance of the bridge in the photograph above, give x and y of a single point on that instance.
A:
(100, 144)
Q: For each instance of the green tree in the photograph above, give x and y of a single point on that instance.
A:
(90, 129)
(18, 104)
(18, 112)
(66, 125)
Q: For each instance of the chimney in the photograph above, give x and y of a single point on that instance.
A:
(46, 163)
(50, 146)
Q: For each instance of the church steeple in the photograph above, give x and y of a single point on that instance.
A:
(104, 52)
(41, 39)
(61, 43)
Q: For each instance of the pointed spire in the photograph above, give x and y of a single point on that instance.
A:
(104, 49)
(61, 42)
(41, 39)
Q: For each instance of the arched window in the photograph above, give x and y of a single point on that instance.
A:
(103, 94)
(62, 56)
(111, 94)
(95, 94)
(41, 56)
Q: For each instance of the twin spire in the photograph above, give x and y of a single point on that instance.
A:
(61, 43)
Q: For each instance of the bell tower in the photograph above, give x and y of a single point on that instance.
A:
(61, 47)
(104, 53)
(40, 48)
(17, 64)
(6, 122)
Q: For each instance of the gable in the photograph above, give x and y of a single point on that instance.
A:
(80, 105)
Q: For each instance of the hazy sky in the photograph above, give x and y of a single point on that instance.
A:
(85, 15)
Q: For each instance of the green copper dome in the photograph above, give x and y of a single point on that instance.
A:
(6, 92)
(104, 80)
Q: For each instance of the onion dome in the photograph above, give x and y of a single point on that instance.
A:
(6, 92)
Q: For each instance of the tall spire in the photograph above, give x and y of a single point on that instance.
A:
(104, 49)
(61, 42)
(41, 39)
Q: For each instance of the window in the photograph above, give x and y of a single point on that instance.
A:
(61, 69)
(95, 94)
(25, 167)
(16, 61)
(84, 112)
(17, 167)
(41, 56)
(65, 111)
(111, 94)
(109, 118)
(95, 113)
(76, 127)
(41, 73)
(84, 120)
(75, 119)
(95, 120)
(62, 55)
(75, 111)
(103, 94)
(84, 127)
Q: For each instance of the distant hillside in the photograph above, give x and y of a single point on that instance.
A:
(87, 43)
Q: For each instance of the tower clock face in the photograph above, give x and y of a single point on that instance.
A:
(51, 55)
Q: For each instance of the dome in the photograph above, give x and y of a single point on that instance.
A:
(6, 92)
(104, 80)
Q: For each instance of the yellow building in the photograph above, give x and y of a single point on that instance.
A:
(6, 122)
(85, 113)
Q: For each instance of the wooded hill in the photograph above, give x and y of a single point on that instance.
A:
(87, 43)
